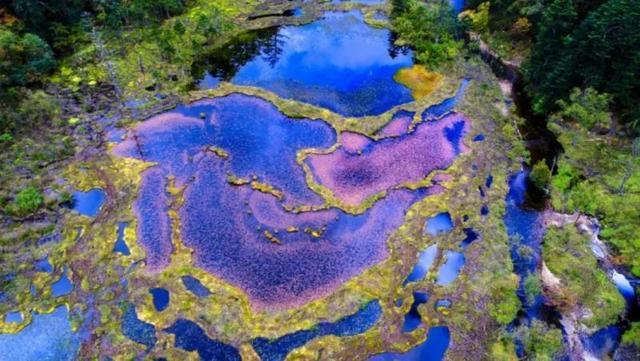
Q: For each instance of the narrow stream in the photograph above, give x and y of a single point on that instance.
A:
(523, 219)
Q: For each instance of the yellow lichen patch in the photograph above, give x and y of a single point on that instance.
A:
(266, 188)
(271, 237)
(237, 181)
(218, 152)
(421, 81)
(316, 233)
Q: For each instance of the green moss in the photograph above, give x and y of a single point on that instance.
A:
(541, 342)
(540, 175)
(632, 335)
(27, 201)
(505, 303)
(532, 287)
(569, 256)
(430, 28)
(600, 176)
(504, 349)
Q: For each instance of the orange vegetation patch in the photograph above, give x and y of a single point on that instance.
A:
(421, 81)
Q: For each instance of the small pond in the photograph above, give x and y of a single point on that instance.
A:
(13, 317)
(413, 320)
(43, 265)
(48, 337)
(439, 224)
(88, 203)
(447, 106)
(121, 245)
(161, 298)
(425, 260)
(195, 286)
(451, 268)
(62, 286)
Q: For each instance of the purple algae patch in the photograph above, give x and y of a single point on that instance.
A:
(251, 239)
(390, 161)
(398, 125)
(154, 225)
(354, 142)
(230, 242)
(261, 142)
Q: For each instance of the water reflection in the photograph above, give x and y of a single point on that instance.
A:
(338, 63)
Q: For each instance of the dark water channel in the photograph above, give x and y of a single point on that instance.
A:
(523, 220)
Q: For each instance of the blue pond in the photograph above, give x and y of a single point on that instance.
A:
(451, 268)
(412, 319)
(359, 322)
(471, 236)
(13, 317)
(48, 337)
(338, 63)
(161, 298)
(484, 210)
(43, 265)
(195, 286)
(63, 286)
(489, 181)
(425, 260)
(437, 111)
(433, 349)
(88, 203)
(190, 337)
(444, 303)
(439, 224)
(137, 330)
(478, 138)
(454, 135)
(121, 245)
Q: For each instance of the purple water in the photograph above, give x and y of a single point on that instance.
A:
(249, 237)
(388, 162)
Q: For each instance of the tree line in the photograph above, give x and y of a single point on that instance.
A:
(586, 46)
